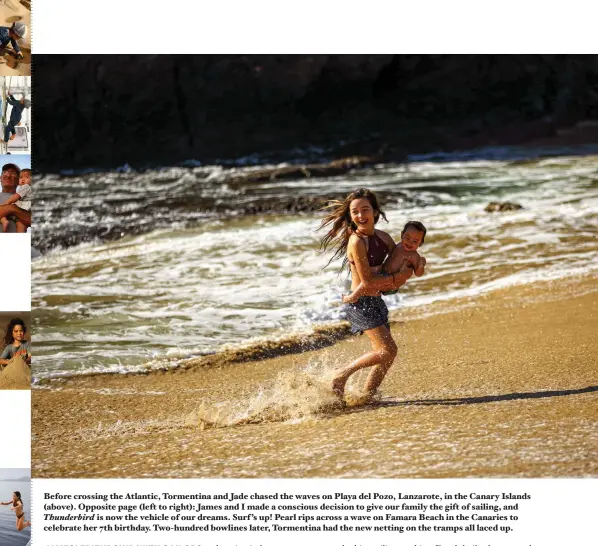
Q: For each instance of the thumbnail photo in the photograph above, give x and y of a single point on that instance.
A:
(15, 38)
(15, 506)
(16, 195)
(15, 359)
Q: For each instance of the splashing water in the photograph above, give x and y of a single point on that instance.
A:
(295, 395)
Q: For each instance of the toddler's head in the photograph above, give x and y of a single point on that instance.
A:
(25, 177)
(413, 235)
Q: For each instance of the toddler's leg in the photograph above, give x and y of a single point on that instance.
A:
(4, 212)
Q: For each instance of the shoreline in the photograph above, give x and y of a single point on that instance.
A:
(322, 335)
(505, 384)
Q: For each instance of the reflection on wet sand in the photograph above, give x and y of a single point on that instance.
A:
(503, 385)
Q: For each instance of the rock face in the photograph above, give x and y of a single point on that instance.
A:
(105, 111)
(502, 207)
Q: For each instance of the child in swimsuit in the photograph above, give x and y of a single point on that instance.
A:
(404, 255)
(17, 506)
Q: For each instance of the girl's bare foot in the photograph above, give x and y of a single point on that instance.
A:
(358, 400)
(338, 387)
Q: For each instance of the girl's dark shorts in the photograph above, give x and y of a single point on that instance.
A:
(367, 313)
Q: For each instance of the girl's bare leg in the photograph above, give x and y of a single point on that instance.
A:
(378, 373)
(21, 227)
(382, 355)
(22, 524)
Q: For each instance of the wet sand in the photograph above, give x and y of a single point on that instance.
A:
(503, 385)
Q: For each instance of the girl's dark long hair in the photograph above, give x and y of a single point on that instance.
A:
(341, 227)
(18, 495)
(8, 339)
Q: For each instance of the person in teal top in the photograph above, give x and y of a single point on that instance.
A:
(15, 342)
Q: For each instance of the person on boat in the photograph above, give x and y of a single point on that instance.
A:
(16, 113)
(9, 181)
(19, 510)
(21, 200)
(353, 234)
(12, 35)
(15, 343)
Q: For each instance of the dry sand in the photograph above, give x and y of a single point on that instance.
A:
(502, 385)
(16, 375)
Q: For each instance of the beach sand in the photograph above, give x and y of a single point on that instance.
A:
(501, 385)
(15, 375)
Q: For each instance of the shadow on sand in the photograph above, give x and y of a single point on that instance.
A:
(482, 399)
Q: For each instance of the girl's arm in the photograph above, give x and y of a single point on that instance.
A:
(361, 290)
(368, 279)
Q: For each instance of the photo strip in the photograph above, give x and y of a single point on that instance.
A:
(15, 249)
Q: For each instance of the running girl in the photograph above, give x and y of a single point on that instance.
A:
(19, 510)
(353, 234)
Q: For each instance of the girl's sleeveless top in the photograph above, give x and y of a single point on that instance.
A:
(377, 250)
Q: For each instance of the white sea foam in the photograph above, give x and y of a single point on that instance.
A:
(154, 300)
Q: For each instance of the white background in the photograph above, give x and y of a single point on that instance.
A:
(15, 429)
(15, 272)
(314, 26)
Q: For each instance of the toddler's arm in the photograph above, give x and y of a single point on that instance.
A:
(420, 269)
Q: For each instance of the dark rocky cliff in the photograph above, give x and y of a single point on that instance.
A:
(105, 110)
